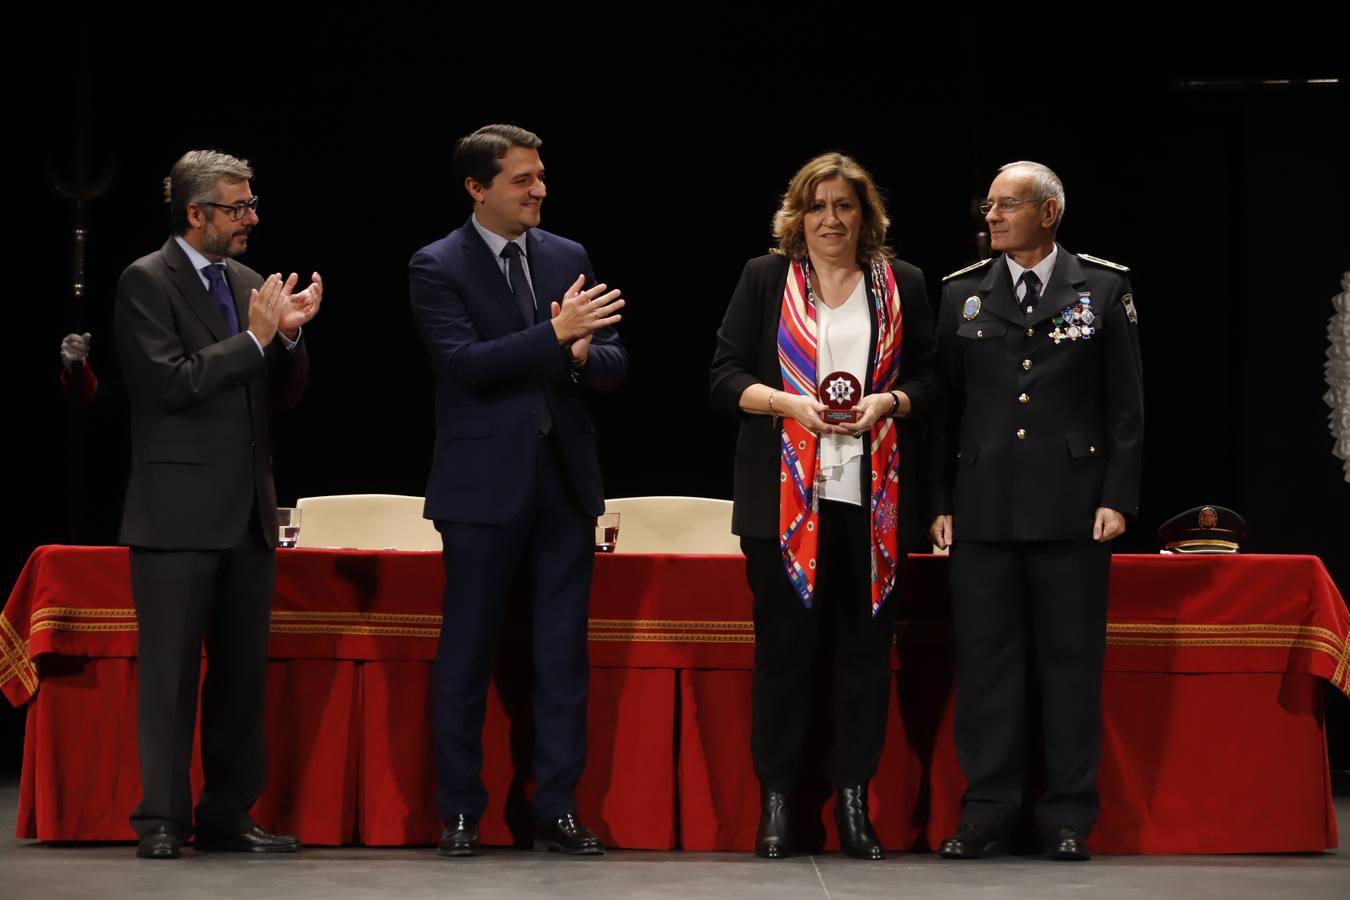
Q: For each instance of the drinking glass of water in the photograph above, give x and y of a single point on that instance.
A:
(606, 532)
(288, 521)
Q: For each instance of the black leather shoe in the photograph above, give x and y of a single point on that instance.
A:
(1066, 844)
(856, 837)
(774, 839)
(160, 843)
(972, 842)
(566, 834)
(460, 837)
(252, 840)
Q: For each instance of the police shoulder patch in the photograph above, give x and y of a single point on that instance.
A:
(970, 268)
(1104, 262)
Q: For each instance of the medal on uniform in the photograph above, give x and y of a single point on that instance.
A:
(1073, 323)
(971, 309)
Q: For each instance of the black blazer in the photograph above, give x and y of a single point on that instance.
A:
(1034, 435)
(200, 402)
(747, 354)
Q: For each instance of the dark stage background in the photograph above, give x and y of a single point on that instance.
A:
(1220, 191)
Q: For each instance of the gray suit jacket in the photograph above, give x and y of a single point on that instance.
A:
(200, 403)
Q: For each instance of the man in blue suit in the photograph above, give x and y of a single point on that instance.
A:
(518, 330)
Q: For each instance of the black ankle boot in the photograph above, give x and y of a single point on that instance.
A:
(775, 836)
(856, 837)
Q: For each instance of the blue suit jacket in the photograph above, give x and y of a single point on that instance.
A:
(494, 372)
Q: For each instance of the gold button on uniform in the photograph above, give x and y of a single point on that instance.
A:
(1026, 364)
(1031, 332)
(1023, 398)
(1021, 434)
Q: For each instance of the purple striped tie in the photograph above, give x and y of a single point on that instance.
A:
(220, 293)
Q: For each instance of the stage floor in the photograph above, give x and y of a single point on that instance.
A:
(111, 871)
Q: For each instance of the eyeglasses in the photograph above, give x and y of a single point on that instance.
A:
(236, 211)
(1008, 205)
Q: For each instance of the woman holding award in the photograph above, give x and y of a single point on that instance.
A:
(827, 353)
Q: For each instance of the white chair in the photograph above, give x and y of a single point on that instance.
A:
(366, 522)
(673, 525)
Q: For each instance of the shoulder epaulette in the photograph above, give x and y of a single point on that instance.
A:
(1104, 262)
(970, 268)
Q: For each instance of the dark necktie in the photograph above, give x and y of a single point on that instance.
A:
(520, 285)
(1033, 295)
(221, 295)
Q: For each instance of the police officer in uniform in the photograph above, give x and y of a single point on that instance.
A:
(1036, 453)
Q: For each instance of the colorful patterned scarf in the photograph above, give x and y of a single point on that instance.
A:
(799, 465)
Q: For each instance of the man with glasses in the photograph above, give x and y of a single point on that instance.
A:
(1037, 453)
(206, 345)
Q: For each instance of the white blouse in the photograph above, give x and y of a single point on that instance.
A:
(843, 338)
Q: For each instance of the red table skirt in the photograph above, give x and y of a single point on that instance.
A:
(1231, 763)
(349, 756)
(1213, 739)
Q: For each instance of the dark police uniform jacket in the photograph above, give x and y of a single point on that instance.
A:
(1041, 421)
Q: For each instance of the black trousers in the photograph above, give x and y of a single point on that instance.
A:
(1015, 605)
(837, 639)
(545, 555)
(182, 598)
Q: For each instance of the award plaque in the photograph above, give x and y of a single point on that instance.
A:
(839, 391)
